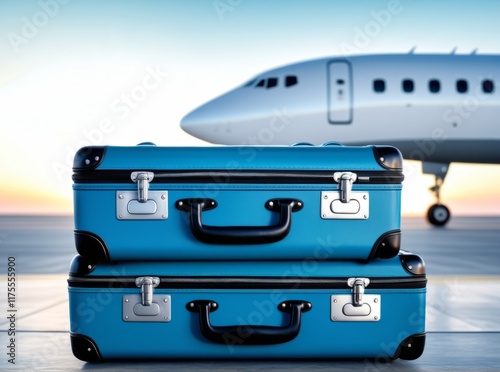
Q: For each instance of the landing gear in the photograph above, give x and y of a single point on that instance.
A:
(438, 214)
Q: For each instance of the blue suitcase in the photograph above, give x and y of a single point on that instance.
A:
(214, 203)
(238, 309)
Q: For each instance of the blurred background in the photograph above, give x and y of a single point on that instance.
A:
(76, 73)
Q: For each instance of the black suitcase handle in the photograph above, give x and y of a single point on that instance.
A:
(240, 234)
(250, 334)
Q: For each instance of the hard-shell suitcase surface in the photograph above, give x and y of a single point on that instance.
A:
(213, 203)
(295, 309)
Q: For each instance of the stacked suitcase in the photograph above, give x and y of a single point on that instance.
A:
(242, 252)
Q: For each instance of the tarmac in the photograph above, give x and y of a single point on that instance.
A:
(463, 303)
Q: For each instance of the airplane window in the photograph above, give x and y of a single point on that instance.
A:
(271, 82)
(250, 83)
(290, 80)
(434, 86)
(379, 85)
(462, 86)
(488, 86)
(261, 83)
(408, 85)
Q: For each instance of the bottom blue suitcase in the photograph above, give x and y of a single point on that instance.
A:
(288, 309)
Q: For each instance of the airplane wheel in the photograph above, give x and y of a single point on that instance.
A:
(438, 215)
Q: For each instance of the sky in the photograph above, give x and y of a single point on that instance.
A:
(74, 73)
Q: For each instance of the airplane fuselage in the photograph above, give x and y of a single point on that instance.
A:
(434, 108)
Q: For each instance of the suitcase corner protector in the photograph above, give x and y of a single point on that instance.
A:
(411, 348)
(81, 266)
(91, 246)
(85, 349)
(387, 245)
(389, 157)
(88, 157)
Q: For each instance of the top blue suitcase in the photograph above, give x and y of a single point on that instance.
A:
(232, 202)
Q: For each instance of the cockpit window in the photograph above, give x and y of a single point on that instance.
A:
(272, 82)
(290, 80)
(261, 83)
(250, 83)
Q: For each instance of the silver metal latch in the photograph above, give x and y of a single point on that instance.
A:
(345, 180)
(146, 307)
(356, 307)
(358, 289)
(147, 283)
(142, 179)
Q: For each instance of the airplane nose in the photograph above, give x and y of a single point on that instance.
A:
(202, 124)
(229, 119)
(191, 123)
(211, 121)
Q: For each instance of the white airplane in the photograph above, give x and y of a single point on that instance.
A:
(436, 108)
